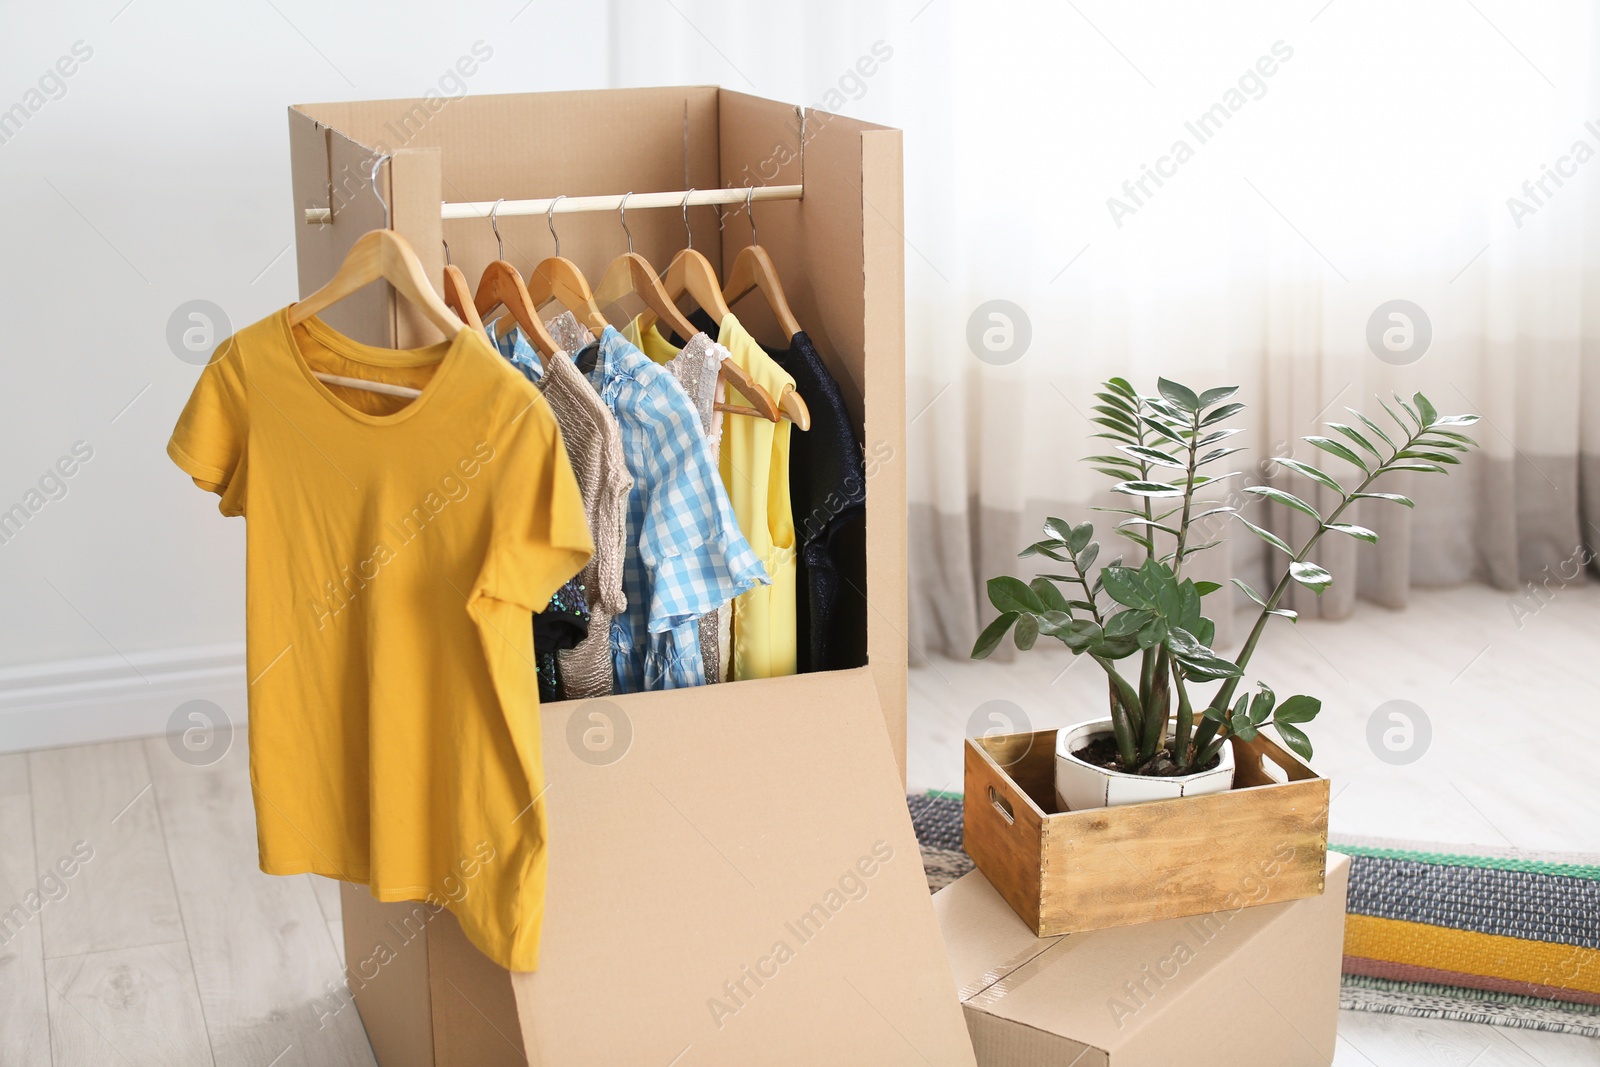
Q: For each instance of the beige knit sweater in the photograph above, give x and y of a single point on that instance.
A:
(594, 445)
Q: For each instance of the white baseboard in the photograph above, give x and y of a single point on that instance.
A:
(107, 698)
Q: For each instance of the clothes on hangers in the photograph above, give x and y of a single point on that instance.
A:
(397, 550)
(828, 494)
(755, 470)
(594, 445)
(696, 367)
(685, 553)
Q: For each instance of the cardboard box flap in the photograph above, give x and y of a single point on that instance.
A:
(717, 900)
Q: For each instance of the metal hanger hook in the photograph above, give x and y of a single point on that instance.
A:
(750, 211)
(494, 224)
(446, 251)
(686, 228)
(372, 179)
(622, 212)
(550, 220)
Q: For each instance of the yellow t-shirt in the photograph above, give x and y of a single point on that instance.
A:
(755, 471)
(396, 550)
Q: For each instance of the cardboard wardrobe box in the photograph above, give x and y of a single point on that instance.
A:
(1257, 985)
(734, 878)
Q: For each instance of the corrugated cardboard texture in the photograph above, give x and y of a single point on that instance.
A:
(1147, 996)
(739, 809)
(839, 250)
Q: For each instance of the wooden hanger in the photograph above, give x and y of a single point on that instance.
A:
(501, 285)
(753, 270)
(690, 272)
(379, 255)
(457, 296)
(631, 273)
(559, 279)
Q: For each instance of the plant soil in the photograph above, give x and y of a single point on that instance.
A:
(1102, 752)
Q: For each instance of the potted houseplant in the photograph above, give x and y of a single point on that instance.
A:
(1145, 626)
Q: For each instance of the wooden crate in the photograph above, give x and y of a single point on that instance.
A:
(1264, 840)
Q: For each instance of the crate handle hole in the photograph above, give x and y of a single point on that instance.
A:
(1001, 805)
(1270, 768)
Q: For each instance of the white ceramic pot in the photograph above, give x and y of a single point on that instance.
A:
(1081, 785)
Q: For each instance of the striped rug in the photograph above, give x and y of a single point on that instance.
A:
(1479, 934)
(1483, 935)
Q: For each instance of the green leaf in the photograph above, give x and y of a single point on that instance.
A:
(1150, 523)
(1409, 410)
(1306, 469)
(1043, 548)
(1080, 536)
(1267, 535)
(1216, 435)
(1355, 435)
(1127, 622)
(1154, 455)
(1292, 616)
(1432, 457)
(1120, 432)
(1404, 501)
(1086, 558)
(1425, 409)
(1122, 585)
(1027, 632)
(1374, 427)
(1249, 591)
(990, 638)
(1428, 468)
(1311, 576)
(1055, 622)
(1297, 709)
(1287, 499)
(1060, 529)
(1012, 594)
(1121, 385)
(1334, 448)
(1226, 411)
(1296, 739)
(1215, 454)
(1261, 704)
(1147, 489)
(1217, 395)
(1360, 533)
(1199, 662)
(1180, 395)
(1456, 420)
(1163, 430)
(1204, 588)
(1049, 595)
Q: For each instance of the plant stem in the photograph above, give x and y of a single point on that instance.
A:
(1188, 500)
(1185, 727)
(1121, 720)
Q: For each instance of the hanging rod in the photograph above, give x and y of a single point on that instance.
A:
(562, 205)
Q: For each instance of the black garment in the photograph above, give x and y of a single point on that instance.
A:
(562, 624)
(828, 497)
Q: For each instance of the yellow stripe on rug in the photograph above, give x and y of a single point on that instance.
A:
(1443, 948)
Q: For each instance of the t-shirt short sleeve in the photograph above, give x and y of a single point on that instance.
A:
(541, 535)
(209, 441)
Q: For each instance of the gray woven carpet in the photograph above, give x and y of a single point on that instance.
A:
(937, 818)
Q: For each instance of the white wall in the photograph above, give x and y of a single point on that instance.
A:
(158, 173)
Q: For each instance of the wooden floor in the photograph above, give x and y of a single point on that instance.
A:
(1515, 717)
(166, 946)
